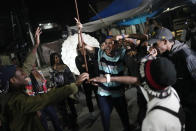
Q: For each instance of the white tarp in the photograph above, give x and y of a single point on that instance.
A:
(98, 24)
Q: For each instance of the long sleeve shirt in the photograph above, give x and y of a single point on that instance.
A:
(22, 108)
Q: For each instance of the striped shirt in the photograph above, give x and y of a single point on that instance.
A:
(113, 66)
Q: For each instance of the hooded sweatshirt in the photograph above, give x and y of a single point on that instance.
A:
(185, 84)
(159, 120)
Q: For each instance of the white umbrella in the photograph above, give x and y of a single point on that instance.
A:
(69, 52)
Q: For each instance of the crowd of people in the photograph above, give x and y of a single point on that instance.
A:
(161, 68)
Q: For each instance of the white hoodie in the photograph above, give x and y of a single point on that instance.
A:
(159, 120)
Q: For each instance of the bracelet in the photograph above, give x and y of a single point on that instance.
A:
(108, 78)
(123, 36)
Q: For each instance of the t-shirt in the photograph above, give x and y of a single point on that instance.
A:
(113, 66)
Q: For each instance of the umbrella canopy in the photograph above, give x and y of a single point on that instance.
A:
(69, 51)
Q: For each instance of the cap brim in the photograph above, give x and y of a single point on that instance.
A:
(152, 41)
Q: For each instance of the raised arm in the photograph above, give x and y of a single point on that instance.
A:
(31, 57)
(37, 39)
(133, 36)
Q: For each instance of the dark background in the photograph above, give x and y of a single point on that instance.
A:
(17, 15)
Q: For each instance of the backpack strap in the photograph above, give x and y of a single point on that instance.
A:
(165, 109)
(180, 114)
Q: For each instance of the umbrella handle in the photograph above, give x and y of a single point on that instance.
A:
(80, 39)
(84, 52)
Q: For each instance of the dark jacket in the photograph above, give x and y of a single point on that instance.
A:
(185, 85)
(27, 67)
(22, 108)
(91, 63)
(18, 110)
(92, 67)
(61, 77)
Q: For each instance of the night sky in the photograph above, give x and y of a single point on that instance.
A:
(62, 11)
(34, 12)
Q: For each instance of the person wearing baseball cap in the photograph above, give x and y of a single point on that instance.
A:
(184, 60)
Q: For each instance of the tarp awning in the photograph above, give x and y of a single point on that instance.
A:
(101, 23)
(138, 20)
(117, 6)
